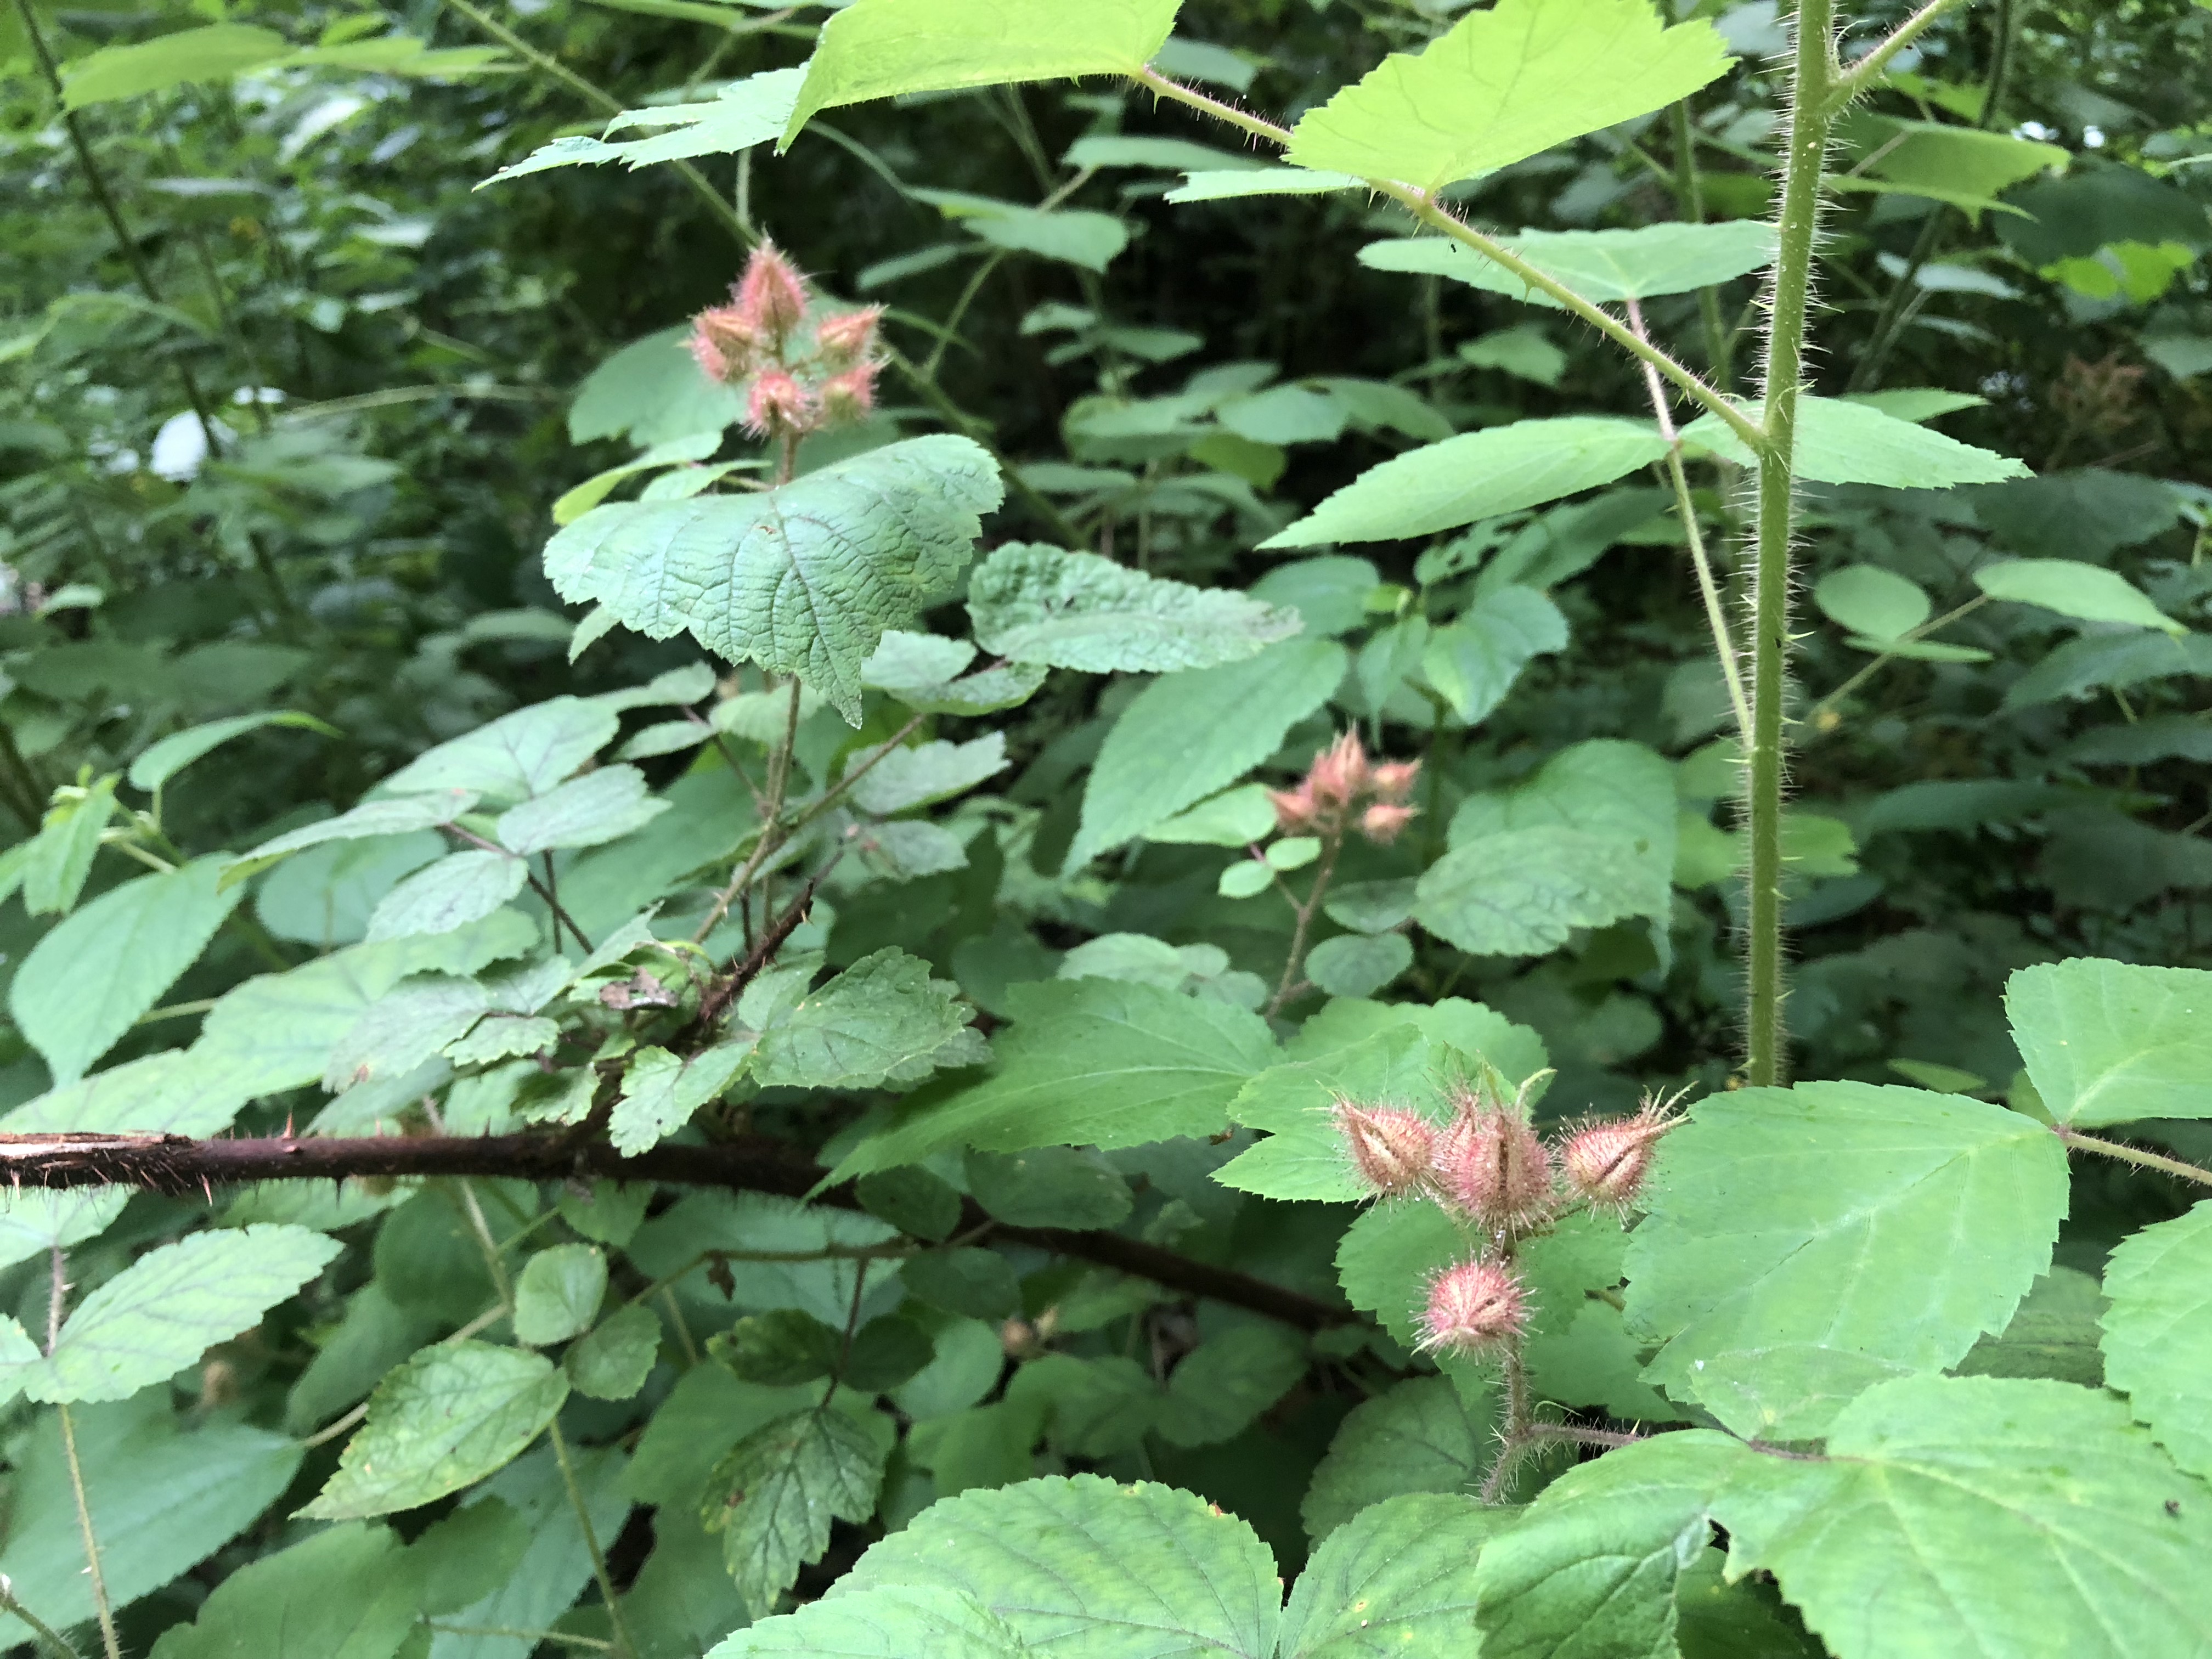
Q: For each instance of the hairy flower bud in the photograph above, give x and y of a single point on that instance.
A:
(1605, 1161)
(845, 336)
(1390, 1148)
(851, 395)
(1294, 808)
(1381, 822)
(1393, 780)
(777, 404)
(771, 294)
(1475, 1309)
(726, 346)
(1339, 774)
(1493, 1167)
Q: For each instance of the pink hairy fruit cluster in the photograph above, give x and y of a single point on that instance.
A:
(1340, 780)
(801, 369)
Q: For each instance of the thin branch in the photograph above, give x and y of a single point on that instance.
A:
(56, 1294)
(1863, 74)
(605, 1579)
(2173, 1166)
(56, 1646)
(179, 1164)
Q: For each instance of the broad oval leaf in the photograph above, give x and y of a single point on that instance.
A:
(2087, 593)
(882, 48)
(448, 1417)
(1479, 475)
(1504, 84)
(1473, 661)
(2114, 1041)
(168, 60)
(1869, 600)
(1843, 442)
(1041, 604)
(1521, 892)
(1398, 1578)
(1890, 1222)
(2158, 1332)
(601, 806)
(456, 890)
(804, 579)
(558, 1294)
(1605, 265)
(895, 1621)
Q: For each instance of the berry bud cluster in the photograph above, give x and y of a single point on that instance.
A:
(1490, 1167)
(1341, 778)
(802, 368)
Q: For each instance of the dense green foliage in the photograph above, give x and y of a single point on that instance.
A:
(1278, 827)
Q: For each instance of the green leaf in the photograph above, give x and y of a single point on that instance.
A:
(1591, 1569)
(2158, 1332)
(1830, 1213)
(802, 579)
(511, 759)
(163, 1498)
(1398, 1578)
(1189, 735)
(456, 891)
(447, 1418)
(2114, 1041)
(882, 48)
(918, 774)
(1358, 964)
(1089, 240)
(1521, 892)
(1235, 817)
(401, 816)
(176, 59)
(774, 1497)
(882, 1021)
(1792, 1391)
(1421, 1437)
(1961, 165)
(661, 1090)
(559, 1293)
(1604, 265)
(60, 857)
(1088, 1062)
(977, 1283)
(1621, 791)
(1217, 1391)
(1228, 184)
(347, 1593)
(924, 672)
(745, 112)
(1869, 600)
(1997, 1516)
(652, 393)
(1473, 662)
(612, 1360)
(2086, 592)
(85, 984)
(1039, 604)
(1841, 443)
(895, 1622)
(2055, 1333)
(780, 1348)
(1504, 84)
(1093, 1566)
(173, 1304)
(160, 762)
(1480, 474)
(601, 806)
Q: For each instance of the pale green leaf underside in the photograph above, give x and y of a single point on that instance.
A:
(1083, 1565)
(2113, 1041)
(1504, 84)
(1226, 184)
(1189, 735)
(1039, 604)
(1890, 1222)
(1603, 265)
(881, 48)
(1479, 475)
(1843, 442)
(2158, 1332)
(2087, 593)
(803, 579)
(748, 113)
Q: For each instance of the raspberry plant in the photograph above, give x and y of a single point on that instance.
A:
(722, 1146)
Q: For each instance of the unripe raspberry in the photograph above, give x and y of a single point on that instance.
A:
(851, 395)
(1390, 1148)
(1381, 822)
(1295, 809)
(1393, 780)
(777, 403)
(1475, 1309)
(1339, 775)
(771, 294)
(1605, 1163)
(845, 336)
(1494, 1167)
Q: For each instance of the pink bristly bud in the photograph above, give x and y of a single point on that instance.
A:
(1390, 1148)
(776, 404)
(771, 294)
(849, 396)
(846, 336)
(1475, 1309)
(727, 347)
(1605, 1162)
(1381, 823)
(1294, 808)
(1494, 1167)
(1339, 775)
(1393, 780)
